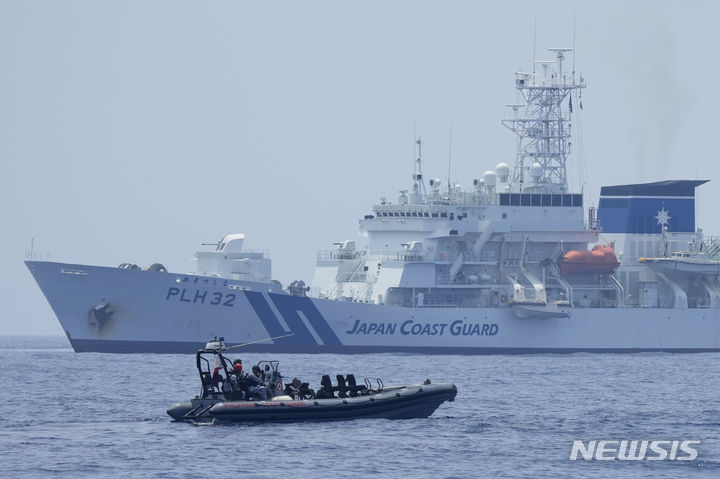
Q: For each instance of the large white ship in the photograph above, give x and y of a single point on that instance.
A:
(515, 264)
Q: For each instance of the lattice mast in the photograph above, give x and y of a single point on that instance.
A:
(544, 129)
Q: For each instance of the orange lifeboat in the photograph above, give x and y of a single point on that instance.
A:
(599, 260)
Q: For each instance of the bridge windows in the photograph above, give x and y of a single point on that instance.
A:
(523, 199)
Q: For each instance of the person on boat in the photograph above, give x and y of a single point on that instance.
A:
(256, 379)
(217, 377)
(235, 376)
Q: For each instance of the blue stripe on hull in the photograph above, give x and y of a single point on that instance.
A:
(267, 317)
(167, 347)
(290, 306)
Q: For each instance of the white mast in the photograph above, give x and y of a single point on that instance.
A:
(544, 132)
(419, 192)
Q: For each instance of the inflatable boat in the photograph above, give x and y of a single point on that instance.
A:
(231, 395)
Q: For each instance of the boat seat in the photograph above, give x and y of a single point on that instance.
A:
(342, 389)
(207, 384)
(326, 390)
(306, 392)
(353, 387)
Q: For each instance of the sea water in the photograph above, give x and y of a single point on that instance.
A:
(64, 414)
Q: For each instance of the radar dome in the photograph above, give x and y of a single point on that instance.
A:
(490, 178)
(503, 171)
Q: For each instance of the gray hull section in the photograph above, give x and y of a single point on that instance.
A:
(106, 309)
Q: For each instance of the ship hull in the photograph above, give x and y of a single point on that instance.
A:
(103, 309)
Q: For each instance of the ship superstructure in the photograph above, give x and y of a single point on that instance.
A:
(230, 260)
(492, 246)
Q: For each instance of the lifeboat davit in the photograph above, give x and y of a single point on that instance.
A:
(599, 260)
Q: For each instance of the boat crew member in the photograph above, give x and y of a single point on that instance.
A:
(238, 368)
(235, 375)
(256, 379)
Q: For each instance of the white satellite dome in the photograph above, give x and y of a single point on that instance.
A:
(536, 171)
(490, 178)
(503, 171)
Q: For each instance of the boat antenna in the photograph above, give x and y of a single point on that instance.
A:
(258, 341)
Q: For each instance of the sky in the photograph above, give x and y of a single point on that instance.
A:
(134, 131)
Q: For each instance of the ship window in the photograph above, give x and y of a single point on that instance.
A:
(504, 199)
(567, 200)
(414, 213)
(443, 215)
(557, 200)
(535, 200)
(525, 200)
(504, 216)
(546, 200)
(514, 199)
(577, 200)
(427, 215)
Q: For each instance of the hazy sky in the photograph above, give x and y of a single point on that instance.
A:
(134, 131)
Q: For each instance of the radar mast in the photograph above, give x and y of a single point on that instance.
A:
(544, 130)
(419, 191)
